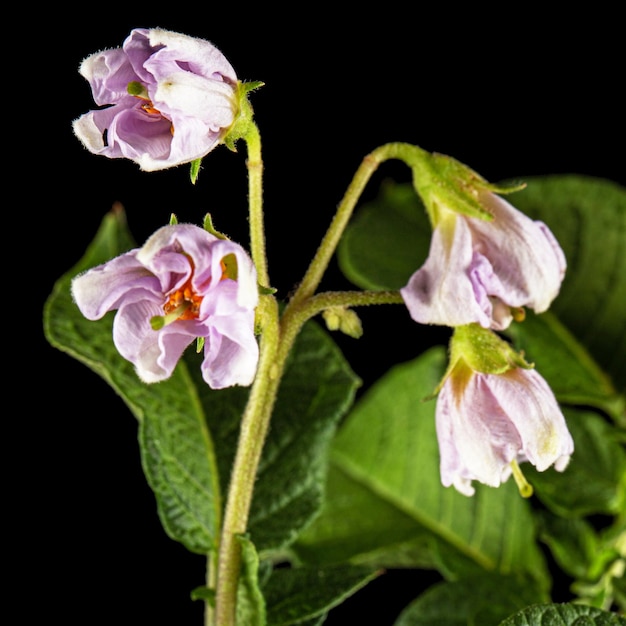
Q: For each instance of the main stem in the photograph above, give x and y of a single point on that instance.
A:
(252, 435)
(276, 341)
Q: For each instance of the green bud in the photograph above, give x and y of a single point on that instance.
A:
(344, 320)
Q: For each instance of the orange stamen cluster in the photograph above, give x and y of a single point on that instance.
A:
(184, 296)
(149, 108)
(185, 299)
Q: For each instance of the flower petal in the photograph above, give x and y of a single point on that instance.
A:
(441, 292)
(524, 253)
(106, 287)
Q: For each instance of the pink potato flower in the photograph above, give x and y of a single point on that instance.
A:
(487, 423)
(165, 99)
(481, 271)
(184, 283)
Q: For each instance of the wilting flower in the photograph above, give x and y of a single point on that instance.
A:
(488, 423)
(484, 271)
(165, 99)
(183, 284)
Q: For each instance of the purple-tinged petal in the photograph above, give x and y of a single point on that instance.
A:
(105, 287)
(524, 253)
(108, 73)
(184, 99)
(478, 271)
(441, 292)
(535, 413)
(231, 353)
(485, 422)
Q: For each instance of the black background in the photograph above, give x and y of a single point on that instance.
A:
(510, 95)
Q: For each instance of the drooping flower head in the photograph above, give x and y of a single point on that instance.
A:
(184, 283)
(165, 99)
(487, 260)
(493, 412)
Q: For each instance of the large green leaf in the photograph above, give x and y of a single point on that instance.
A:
(386, 453)
(181, 417)
(564, 615)
(177, 451)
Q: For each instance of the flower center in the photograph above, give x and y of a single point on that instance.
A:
(138, 90)
(184, 302)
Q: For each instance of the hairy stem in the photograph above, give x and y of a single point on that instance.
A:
(329, 243)
(252, 435)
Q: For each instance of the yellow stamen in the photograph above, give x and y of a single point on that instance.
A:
(525, 488)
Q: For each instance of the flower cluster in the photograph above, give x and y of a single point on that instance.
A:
(488, 261)
(165, 99)
(183, 284)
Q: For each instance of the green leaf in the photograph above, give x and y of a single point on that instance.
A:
(176, 448)
(387, 447)
(250, 600)
(573, 543)
(387, 240)
(294, 595)
(471, 601)
(597, 468)
(573, 375)
(588, 218)
(563, 615)
(317, 389)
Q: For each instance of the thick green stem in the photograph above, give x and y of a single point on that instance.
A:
(252, 435)
(277, 338)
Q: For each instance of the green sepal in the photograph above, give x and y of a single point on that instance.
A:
(266, 291)
(194, 170)
(243, 121)
(445, 183)
(477, 349)
(208, 226)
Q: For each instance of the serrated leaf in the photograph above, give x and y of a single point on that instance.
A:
(588, 218)
(387, 240)
(597, 468)
(388, 447)
(176, 448)
(566, 614)
(471, 601)
(294, 595)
